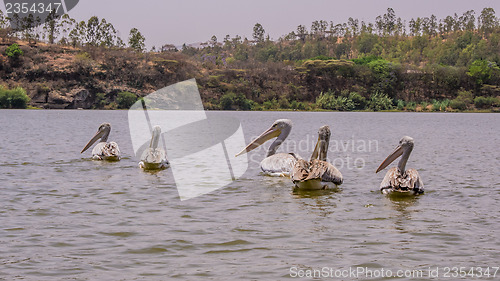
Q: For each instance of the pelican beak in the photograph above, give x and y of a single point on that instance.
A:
(267, 135)
(97, 135)
(155, 138)
(393, 156)
(315, 153)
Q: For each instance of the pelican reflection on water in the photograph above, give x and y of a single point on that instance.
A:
(397, 179)
(154, 158)
(275, 164)
(317, 173)
(103, 150)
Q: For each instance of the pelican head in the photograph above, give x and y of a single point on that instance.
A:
(404, 148)
(155, 139)
(102, 133)
(321, 147)
(280, 129)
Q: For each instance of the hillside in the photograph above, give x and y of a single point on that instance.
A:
(352, 66)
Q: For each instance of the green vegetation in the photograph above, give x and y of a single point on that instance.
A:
(13, 98)
(13, 51)
(428, 64)
(462, 101)
(136, 40)
(125, 100)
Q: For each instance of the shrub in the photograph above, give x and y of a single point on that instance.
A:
(100, 100)
(226, 101)
(462, 101)
(349, 102)
(231, 101)
(13, 51)
(424, 105)
(366, 59)
(13, 98)
(485, 102)
(400, 105)
(358, 100)
(243, 103)
(379, 101)
(411, 106)
(125, 99)
(440, 105)
(457, 104)
(298, 105)
(284, 103)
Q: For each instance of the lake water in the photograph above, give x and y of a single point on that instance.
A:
(66, 217)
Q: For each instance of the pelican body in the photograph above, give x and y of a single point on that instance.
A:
(103, 150)
(317, 173)
(397, 179)
(275, 164)
(154, 158)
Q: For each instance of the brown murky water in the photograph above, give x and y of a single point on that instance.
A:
(65, 217)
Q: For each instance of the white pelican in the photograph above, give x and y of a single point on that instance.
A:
(317, 173)
(275, 164)
(397, 178)
(103, 150)
(154, 158)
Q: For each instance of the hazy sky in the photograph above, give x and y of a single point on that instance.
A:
(189, 21)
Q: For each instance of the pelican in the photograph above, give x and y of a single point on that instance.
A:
(317, 173)
(154, 158)
(275, 164)
(397, 178)
(103, 150)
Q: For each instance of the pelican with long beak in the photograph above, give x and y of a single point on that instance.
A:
(397, 179)
(317, 173)
(154, 158)
(103, 150)
(275, 164)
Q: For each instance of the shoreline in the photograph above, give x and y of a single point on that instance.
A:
(279, 110)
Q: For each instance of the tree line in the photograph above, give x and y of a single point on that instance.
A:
(65, 30)
(423, 64)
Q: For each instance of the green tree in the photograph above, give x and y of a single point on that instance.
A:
(213, 41)
(467, 20)
(258, 33)
(51, 27)
(125, 100)
(136, 40)
(301, 32)
(487, 21)
(92, 31)
(481, 71)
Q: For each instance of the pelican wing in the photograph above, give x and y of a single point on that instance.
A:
(300, 171)
(325, 171)
(152, 155)
(111, 149)
(413, 181)
(390, 179)
(278, 164)
(409, 181)
(106, 151)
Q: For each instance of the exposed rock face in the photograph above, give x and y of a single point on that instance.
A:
(81, 99)
(76, 98)
(58, 100)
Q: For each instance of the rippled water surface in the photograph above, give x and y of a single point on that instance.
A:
(65, 217)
